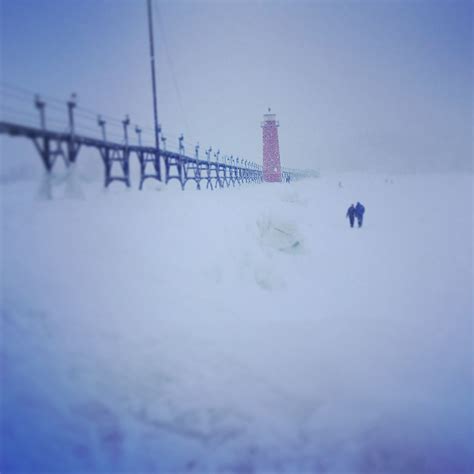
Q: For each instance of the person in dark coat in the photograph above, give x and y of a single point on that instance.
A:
(350, 214)
(359, 213)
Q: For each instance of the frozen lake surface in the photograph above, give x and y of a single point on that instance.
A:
(245, 330)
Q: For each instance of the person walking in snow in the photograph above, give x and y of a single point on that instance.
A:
(359, 213)
(350, 214)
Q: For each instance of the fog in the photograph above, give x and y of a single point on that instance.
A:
(245, 329)
(380, 86)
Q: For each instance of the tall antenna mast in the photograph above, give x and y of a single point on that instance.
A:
(153, 78)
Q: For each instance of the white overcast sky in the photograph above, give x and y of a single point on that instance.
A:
(355, 84)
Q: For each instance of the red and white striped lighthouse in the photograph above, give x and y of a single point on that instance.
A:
(271, 148)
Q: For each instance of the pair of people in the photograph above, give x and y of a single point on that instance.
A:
(357, 212)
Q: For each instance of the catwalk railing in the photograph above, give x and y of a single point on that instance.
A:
(215, 170)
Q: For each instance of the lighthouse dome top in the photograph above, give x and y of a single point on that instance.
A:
(269, 117)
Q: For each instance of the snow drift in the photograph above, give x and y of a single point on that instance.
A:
(245, 330)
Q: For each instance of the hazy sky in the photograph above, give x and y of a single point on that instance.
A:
(383, 85)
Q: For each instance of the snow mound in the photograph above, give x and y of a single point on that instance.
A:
(279, 235)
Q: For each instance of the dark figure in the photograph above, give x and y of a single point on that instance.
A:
(350, 214)
(359, 213)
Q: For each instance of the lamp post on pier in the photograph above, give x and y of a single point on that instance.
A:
(153, 75)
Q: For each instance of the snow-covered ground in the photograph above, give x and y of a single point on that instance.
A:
(243, 330)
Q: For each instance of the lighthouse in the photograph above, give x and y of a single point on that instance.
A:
(271, 149)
